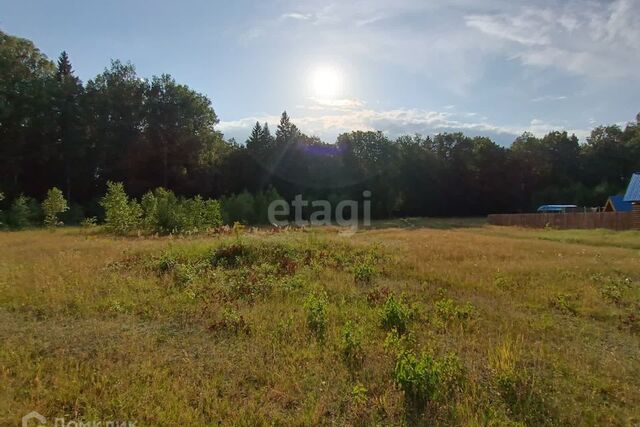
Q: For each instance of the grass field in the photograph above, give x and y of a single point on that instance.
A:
(413, 322)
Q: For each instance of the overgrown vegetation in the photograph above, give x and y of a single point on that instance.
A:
(271, 328)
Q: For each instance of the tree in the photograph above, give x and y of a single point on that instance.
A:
(254, 142)
(287, 132)
(179, 132)
(53, 205)
(69, 134)
(114, 105)
(121, 214)
(26, 130)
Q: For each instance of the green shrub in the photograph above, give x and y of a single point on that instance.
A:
(52, 206)
(447, 310)
(316, 309)
(565, 303)
(261, 205)
(89, 222)
(364, 272)
(359, 394)
(423, 379)
(351, 345)
(24, 212)
(164, 213)
(121, 214)
(396, 315)
(232, 256)
(239, 208)
(74, 215)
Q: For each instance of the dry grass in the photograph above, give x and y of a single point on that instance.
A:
(545, 324)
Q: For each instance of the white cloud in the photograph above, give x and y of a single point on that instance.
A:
(549, 98)
(594, 39)
(583, 37)
(298, 16)
(335, 104)
(397, 122)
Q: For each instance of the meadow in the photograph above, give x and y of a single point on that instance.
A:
(410, 322)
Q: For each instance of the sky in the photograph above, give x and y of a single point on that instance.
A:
(495, 68)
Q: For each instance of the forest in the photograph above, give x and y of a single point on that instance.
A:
(148, 133)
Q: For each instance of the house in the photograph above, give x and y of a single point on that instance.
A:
(617, 204)
(633, 190)
(633, 196)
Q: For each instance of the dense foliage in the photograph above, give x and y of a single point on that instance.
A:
(151, 133)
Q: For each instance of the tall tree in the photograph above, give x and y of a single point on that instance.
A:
(287, 132)
(69, 132)
(26, 128)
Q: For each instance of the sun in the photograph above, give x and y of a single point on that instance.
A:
(326, 81)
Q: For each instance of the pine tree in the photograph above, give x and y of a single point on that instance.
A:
(287, 131)
(69, 91)
(64, 71)
(254, 143)
(267, 138)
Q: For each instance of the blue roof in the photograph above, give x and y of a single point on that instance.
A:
(619, 204)
(555, 208)
(633, 190)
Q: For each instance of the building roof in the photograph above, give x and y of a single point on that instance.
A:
(619, 205)
(633, 190)
(555, 208)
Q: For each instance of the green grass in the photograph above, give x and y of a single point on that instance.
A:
(445, 323)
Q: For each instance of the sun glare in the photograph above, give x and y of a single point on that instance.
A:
(326, 82)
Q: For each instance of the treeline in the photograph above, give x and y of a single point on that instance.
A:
(56, 131)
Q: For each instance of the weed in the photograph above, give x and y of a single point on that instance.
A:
(424, 379)
(359, 394)
(448, 311)
(631, 321)
(396, 315)
(565, 303)
(231, 256)
(89, 222)
(351, 345)
(230, 323)
(364, 272)
(612, 288)
(378, 295)
(315, 307)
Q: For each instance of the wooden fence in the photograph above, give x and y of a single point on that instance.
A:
(610, 220)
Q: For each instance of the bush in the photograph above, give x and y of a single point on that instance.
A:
(424, 379)
(52, 206)
(396, 315)
(121, 214)
(364, 272)
(448, 311)
(261, 205)
(165, 213)
(24, 212)
(351, 345)
(316, 308)
(239, 208)
(89, 222)
(74, 215)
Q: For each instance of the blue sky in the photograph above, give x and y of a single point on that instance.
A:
(494, 67)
